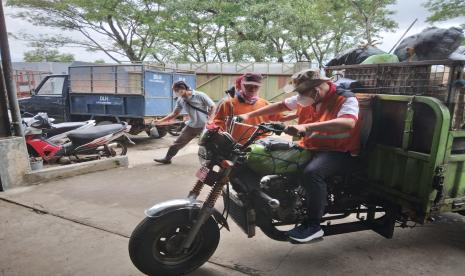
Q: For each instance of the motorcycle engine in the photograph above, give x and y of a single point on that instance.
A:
(281, 188)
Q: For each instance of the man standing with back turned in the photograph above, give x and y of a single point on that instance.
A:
(198, 106)
(330, 127)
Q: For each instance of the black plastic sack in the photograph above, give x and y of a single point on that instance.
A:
(431, 44)
(459, 54)
(354, 56)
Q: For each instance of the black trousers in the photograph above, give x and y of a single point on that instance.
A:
(187, 134)
(322, 165)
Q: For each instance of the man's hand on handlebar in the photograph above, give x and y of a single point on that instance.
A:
(296, 130)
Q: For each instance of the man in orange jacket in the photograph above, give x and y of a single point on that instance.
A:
(330, 126)
(245, 100)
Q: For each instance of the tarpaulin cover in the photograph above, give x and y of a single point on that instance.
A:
(431, 44)
(354, 56)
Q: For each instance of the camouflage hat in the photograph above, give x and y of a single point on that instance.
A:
(305, 80)
(252, 79)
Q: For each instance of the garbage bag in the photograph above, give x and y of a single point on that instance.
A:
(459, 54)
(460, 50)
(354, 56)
(275, 156)
(431, 44)
(381, 58)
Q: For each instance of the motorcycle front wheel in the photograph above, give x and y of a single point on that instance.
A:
(155, 244)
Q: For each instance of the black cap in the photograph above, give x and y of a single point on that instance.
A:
(180, 84)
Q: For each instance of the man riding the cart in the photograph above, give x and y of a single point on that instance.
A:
(329, 125)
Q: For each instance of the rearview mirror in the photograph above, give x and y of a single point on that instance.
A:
(33, 91)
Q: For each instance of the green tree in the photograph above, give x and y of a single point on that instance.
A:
(316, 29)
(442, 10)
(373, 17)
(211, 30)
(116, 27)
(48, 55)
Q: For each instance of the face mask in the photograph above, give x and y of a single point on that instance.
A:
(249, 96)
(305, 101)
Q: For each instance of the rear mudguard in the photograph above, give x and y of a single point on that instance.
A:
(169, 206)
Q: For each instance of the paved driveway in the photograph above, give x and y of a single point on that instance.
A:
(80, 225)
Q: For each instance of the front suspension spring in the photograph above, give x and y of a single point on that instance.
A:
(214, 194)
(195, 192)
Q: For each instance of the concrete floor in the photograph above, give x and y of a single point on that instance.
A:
(80, 225)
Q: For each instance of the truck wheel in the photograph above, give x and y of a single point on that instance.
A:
(176, 130)
(462, 212)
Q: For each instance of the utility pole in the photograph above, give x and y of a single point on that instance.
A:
(5, 127)
(8, 76)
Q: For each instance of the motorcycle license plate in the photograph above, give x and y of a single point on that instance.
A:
(202, 173)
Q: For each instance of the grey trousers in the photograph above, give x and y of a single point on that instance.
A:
(323, 165)
(187, 134)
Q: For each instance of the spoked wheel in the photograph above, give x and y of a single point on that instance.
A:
(116, 148)
(155, 245)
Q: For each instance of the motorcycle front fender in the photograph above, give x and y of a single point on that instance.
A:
(169, 206)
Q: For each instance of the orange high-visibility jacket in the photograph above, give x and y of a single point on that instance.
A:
(242, 133)
(348, 141)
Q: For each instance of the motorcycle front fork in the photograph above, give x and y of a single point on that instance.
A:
(208, 206)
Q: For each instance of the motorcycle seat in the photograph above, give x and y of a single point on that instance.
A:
(56, 129)
(83, 136)
(69, 125)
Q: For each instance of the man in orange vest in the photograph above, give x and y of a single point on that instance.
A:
(246, 99)
(330, 127)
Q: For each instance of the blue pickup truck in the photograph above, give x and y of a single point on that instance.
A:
(136, 93)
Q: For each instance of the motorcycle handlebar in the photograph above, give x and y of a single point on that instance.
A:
(277, 128)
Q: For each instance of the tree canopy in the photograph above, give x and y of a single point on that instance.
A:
(42, 53)
(211, 30)
(442, 10)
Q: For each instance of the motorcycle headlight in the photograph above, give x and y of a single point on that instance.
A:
(203, 155)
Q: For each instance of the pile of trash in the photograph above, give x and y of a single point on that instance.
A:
(431, 44)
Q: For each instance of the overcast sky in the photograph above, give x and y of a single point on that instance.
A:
(405, 13)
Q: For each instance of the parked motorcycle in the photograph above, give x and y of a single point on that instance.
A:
(57, 133)
(261, 187)
(91, 142)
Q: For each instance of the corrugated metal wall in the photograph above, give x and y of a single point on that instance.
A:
(215, 85)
